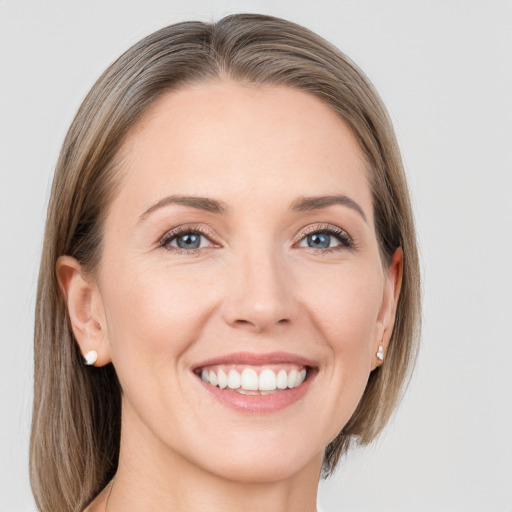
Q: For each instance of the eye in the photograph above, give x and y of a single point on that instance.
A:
(186, 239)
(326, 238)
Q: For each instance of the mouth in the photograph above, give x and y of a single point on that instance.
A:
(253, 380)
(257, 382)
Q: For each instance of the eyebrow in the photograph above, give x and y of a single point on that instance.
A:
(301, 204)
(304, 204)
(200, 203)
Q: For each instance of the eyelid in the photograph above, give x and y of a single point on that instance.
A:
(327, 228)
(346, 241)
(203, 229)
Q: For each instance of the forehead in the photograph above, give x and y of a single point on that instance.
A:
(261, 144)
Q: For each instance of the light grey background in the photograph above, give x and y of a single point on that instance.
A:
(444, 70)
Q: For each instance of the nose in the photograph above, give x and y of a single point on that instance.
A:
(259, 292)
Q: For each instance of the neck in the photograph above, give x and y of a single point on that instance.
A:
(151, 477)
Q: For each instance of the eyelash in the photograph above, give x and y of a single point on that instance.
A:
(183, 230)
(341, 235)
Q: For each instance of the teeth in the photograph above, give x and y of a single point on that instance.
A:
(282, 380)
(249, 382)
(223, 379)
(213, 379)
(233, 379)
(267, 380)
(245, 392)
(292, 377)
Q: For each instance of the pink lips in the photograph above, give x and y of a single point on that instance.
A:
(258, 403)
(257, 359)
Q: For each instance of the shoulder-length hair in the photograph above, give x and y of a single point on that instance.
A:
(76, 416)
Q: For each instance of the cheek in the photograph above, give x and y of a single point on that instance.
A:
(153, 315)
(345, 306)
(345, 309)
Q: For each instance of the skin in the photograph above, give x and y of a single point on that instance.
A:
(253, 286)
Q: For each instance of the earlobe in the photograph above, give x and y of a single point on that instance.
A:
(392, 287)
(83, 299)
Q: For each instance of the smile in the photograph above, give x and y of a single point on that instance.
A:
(257, 383)
(254, 380)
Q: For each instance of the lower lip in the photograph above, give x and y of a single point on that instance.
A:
(258, 403)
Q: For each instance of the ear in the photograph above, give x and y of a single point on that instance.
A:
(85, 309)
(387, 313)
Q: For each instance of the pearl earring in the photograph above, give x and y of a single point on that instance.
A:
(380, 353)
(90, 358)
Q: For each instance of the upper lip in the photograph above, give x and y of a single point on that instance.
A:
(254, 359)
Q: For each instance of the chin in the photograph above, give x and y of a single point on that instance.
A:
(253, 463)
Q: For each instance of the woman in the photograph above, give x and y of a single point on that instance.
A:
(230, 250)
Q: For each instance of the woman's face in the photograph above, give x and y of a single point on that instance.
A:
(241, 247)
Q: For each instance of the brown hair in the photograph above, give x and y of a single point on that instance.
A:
(76, 417)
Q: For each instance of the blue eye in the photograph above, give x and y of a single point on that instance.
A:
(184, 239)
(324, 239)
(189, 241)
(319, 240)
(324, 236)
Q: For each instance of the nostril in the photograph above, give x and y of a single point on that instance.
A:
(242, 322)
(257, 324)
